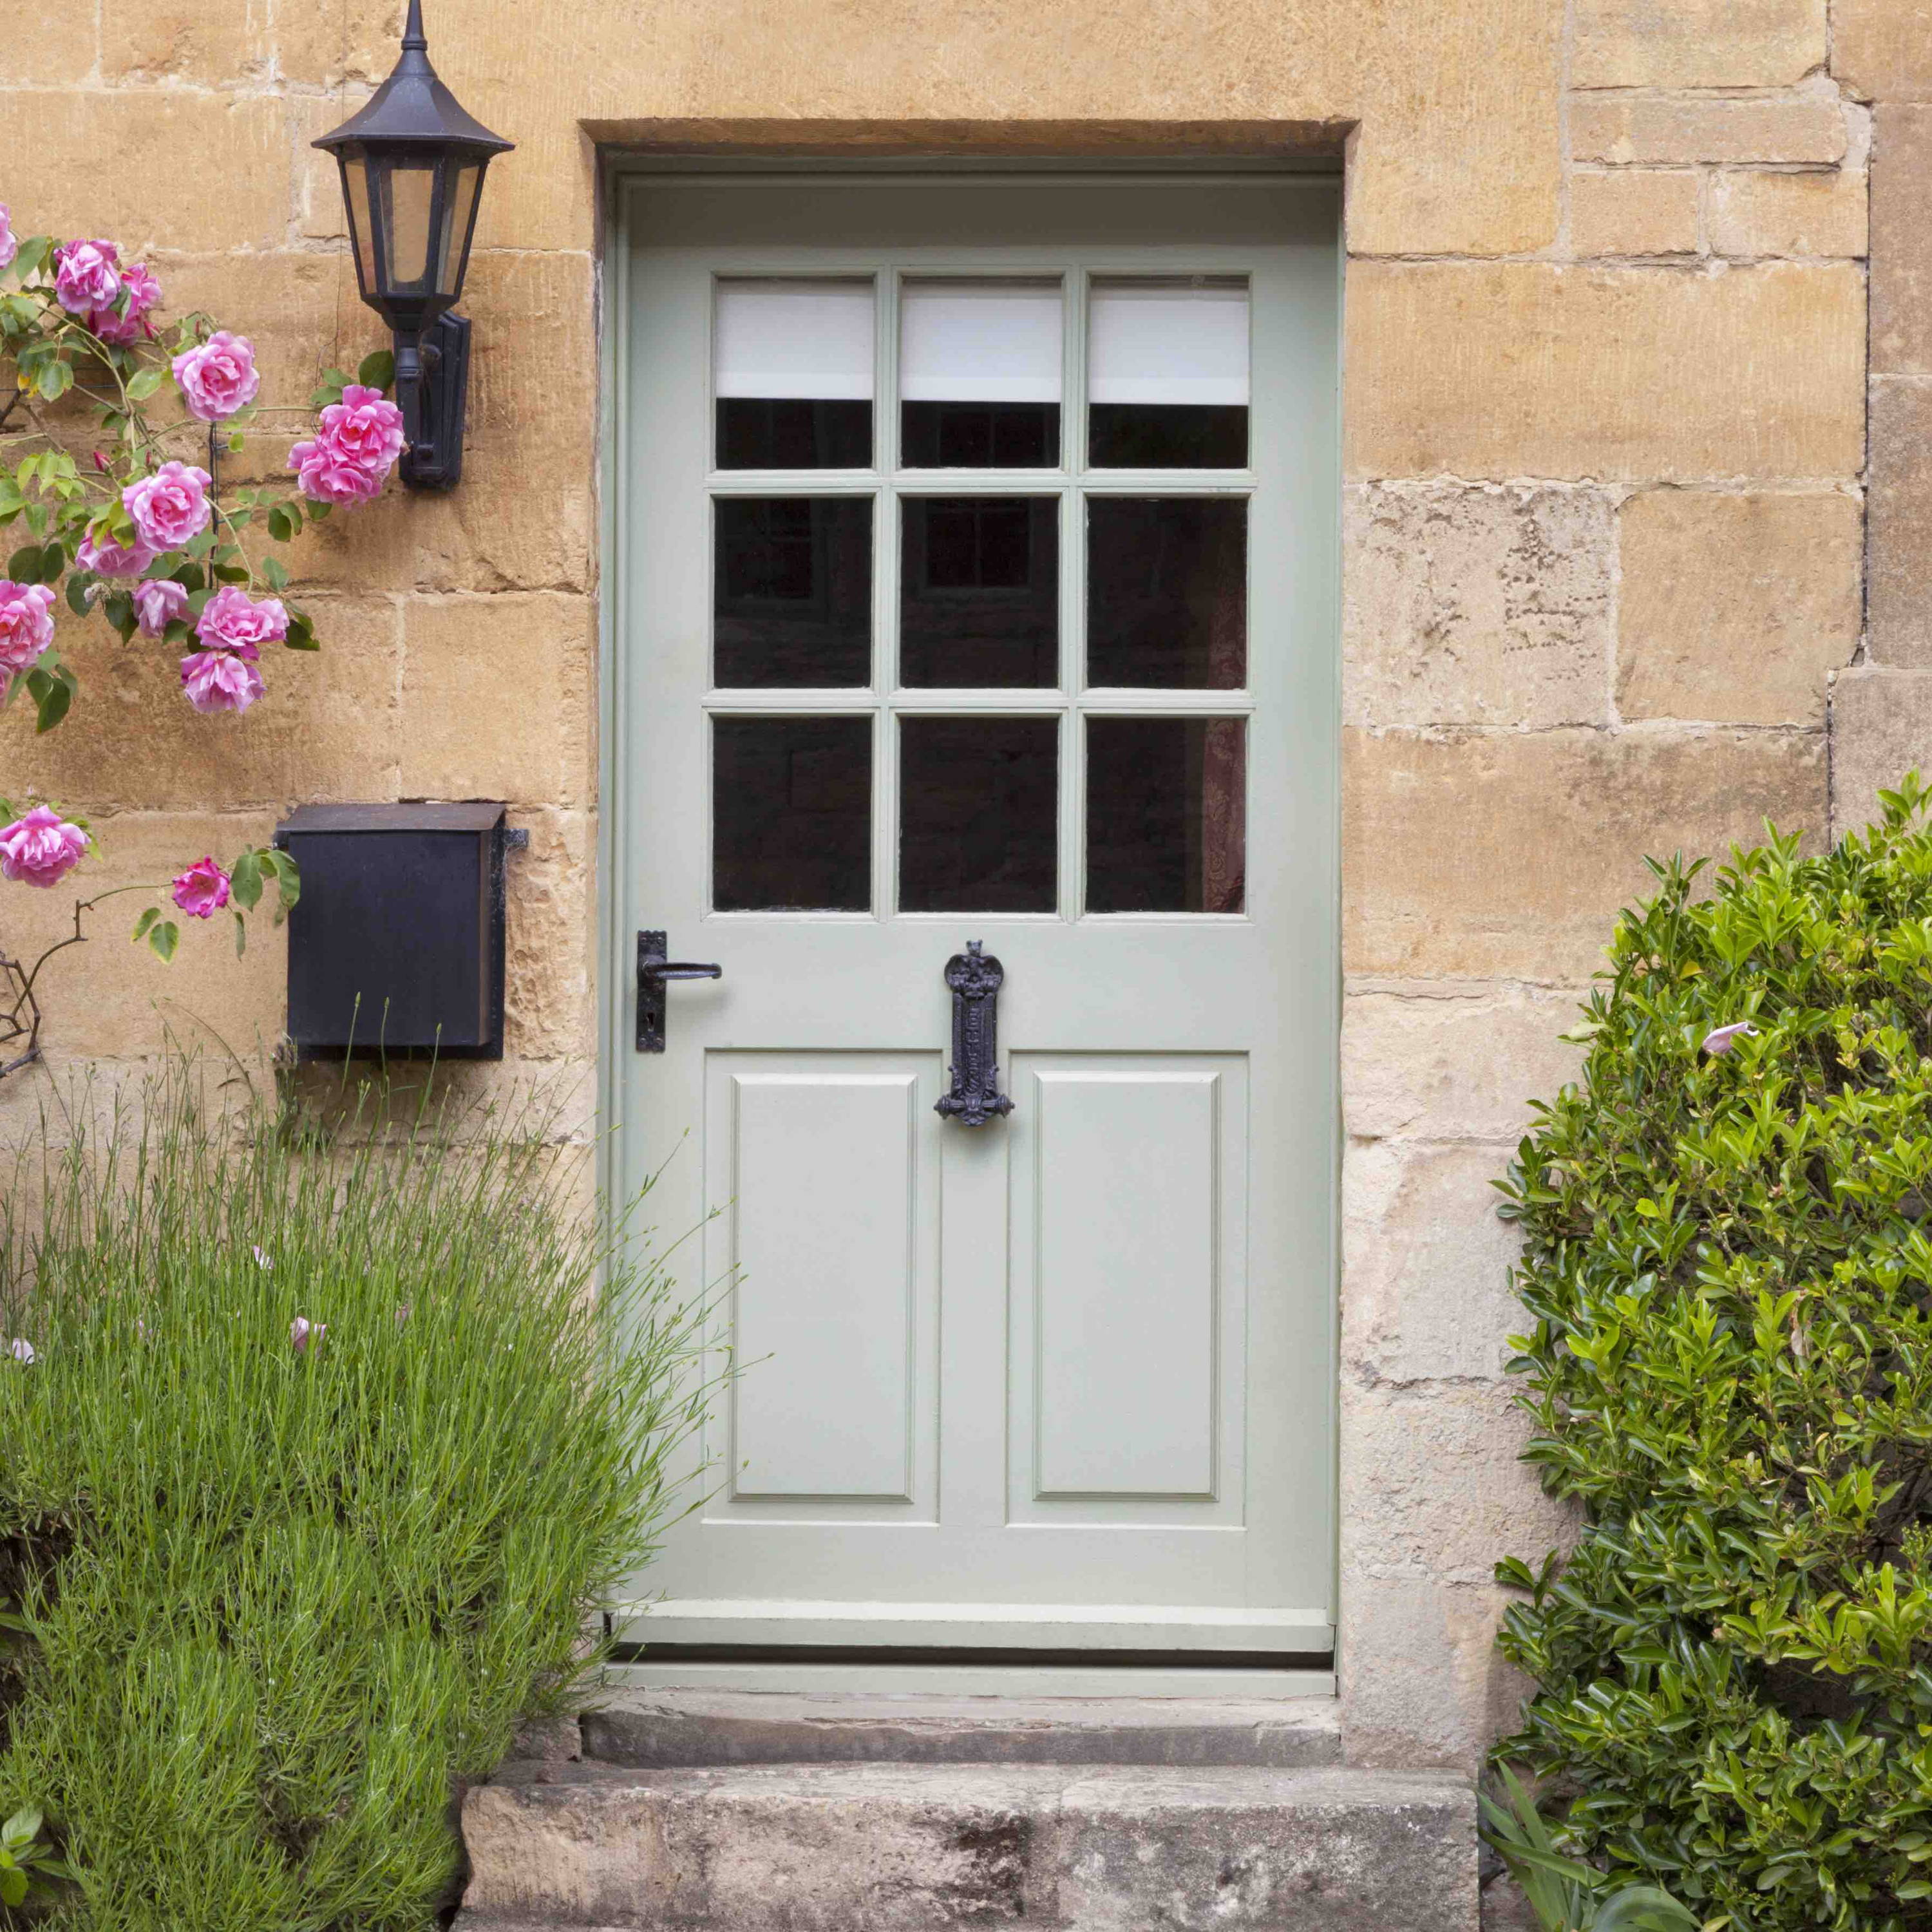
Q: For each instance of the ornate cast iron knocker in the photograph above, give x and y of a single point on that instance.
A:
(976, 980)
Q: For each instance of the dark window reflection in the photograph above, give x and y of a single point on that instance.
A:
(980, 602)
(791, 813)
(1167, 435)
(978, 823)
(1166, 814)
(1167, 592)
(979, 435)
(784, 433)
(793, 591)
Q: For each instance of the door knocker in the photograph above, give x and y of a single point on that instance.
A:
(975, 979)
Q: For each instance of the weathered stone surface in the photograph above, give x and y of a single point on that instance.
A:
(1427, 1261)
(63, 48)
(1697, 43)
(889, 1848)
(1627, 128)
(351, 40)
(1522, 368)
(1759, 212)
(1881, 729)
(1901, 247)
(1735, 608)
(180, 41)
(549, 1741)
(1882, 49)
(549, 1008)
(1474, 606)
(1634, 211)
(1455, 1063)
(1497, 854)
(670, 1727)
(1898, 553)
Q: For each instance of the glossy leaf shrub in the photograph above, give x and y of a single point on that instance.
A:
(1729, 1273)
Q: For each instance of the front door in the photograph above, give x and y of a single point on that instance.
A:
(977, 590)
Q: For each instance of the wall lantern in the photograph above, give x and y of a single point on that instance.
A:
(412, 164)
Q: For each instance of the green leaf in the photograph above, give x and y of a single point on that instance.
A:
(24, 565)
(288, 876)
(78, 588)
(275, 573)
(13, 1887)
(377, 369)
(281, 525)
(146, 920)
(164, 937)
(24, 1825)
(241, 935)
(34, 251)
(52, 707)
(141, 387)
(244, 880)
(54, 379)
(334, 381)
(190, 578)
(231, 573)
(117, 607)
(301, 633)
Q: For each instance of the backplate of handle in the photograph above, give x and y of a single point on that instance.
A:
(654, 969)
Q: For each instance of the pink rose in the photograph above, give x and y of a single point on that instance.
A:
(26, 627)
(10, 245)
(157, 603)
(125, 320)
(231, 620)
(219, 377)
(326, 477)
(87, 276)
(302, 1332)
(106, 558)
(170, 506)
(202, 891)
(355, 445)
(222, 680)
(40, 849)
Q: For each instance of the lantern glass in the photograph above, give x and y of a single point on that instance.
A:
(411, 200)
(362, 227)
(460, 211)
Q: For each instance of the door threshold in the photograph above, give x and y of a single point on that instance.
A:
(656, 1671)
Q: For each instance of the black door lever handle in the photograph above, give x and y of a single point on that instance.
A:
(653, 969)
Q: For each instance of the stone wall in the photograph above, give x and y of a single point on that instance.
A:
(1605, 406)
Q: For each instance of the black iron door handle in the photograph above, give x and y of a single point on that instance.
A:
(976, 980)
(653, 969)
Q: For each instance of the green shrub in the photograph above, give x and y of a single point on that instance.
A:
(1729, 1269)
(283, 1590)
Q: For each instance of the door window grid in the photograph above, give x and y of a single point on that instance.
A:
(1071, 482)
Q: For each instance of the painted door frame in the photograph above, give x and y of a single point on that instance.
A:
(615, 941)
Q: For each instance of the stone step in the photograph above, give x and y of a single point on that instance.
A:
(664, 1728)
(917, 1848)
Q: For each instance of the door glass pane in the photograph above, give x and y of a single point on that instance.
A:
(979, 591)
(1168, 373)
(1166, 814)
(978, 810)
(793, 591)
(980, 365)
(1167, 592)
(791, 813)
(793, 369)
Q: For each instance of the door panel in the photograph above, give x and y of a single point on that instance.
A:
(975, 581)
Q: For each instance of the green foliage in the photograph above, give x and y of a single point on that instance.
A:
(279, 1587)
(26, 1863)
(1729, 1270)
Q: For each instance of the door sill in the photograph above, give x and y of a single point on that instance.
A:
(779, 1675)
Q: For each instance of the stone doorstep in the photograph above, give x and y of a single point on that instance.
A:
(917, 1848)
(664, 1728)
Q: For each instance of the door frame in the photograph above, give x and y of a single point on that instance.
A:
(1309, 1676)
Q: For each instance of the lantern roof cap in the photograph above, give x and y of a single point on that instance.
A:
(413, 107)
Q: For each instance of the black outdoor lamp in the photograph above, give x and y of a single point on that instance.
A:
(412, 164)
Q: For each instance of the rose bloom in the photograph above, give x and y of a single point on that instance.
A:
(106, 558)
(87, 276)
(170, 506)
(126, 320)
(26, 627)
(231, 620)
(218, 377)
(202, 891)
(157, 603)
(324, 477)
(356, 443)
(40, 849)
(10, 243)
(222, 680)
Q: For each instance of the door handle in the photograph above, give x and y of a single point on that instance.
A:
(653, 969)
(976, 980)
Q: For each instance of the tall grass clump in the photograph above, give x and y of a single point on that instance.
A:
(326, 1451)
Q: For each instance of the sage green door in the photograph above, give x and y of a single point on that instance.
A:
(975, 582)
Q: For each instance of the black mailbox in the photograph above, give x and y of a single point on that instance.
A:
(396, 945)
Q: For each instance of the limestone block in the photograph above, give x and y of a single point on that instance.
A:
(326, 726)
(62, 48)
(1882, 49)
(1697, 43)
(1627, 128)
(498, 698)
(1426, 1062)
(1735, 608)
(1634, 211)
(1901, 247)
(320, 214)
(182, 41)
(1525, 368)
(1426, 1262)
(1480, 854)
(326, 43)
(1476, 606)
(1757, 211)
(549, 1009)
(1898, 556)
(1881, 729)
(106, 162)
